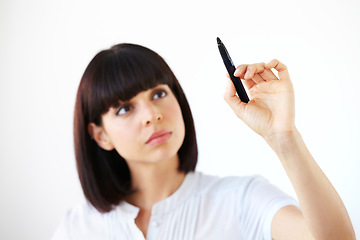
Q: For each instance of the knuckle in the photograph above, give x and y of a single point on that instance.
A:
(251, 67)
(242, 67)
(260, 67)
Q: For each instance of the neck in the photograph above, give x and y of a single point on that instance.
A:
(154, 182)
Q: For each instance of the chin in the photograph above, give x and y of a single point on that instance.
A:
(163, 155)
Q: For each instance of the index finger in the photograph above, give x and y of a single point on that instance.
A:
(253, 69)
(240, 71)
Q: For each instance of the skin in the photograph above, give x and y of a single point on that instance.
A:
(271, 114)
(153, 167)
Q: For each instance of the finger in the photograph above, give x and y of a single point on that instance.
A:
(240, 71)
(249, 83)
(257, 78)
(234, 101)
(268, 75)
(280, 68)
(230, 89)
(253, 69)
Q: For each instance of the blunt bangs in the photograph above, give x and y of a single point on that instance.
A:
(119, 74)
(114, 75)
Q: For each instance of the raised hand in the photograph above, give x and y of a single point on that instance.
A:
(271, 109)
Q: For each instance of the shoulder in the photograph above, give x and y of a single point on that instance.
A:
(82, 215)
(209, 184)
(244, 190)
(82, 221)
(241, 200)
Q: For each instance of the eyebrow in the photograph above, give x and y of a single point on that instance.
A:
(122, 102)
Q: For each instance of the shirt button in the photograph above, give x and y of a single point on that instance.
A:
(155, 224)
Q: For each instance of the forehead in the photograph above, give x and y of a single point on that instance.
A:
(121, 75)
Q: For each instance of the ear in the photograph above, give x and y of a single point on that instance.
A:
(99, 135)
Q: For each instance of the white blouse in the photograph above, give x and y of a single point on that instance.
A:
(204, 207)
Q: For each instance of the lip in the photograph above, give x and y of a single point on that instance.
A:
(159, 137)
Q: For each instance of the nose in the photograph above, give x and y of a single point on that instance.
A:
(151, 114)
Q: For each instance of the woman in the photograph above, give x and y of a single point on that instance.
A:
(136, 155)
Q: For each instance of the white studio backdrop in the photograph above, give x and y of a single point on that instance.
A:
(46, 45)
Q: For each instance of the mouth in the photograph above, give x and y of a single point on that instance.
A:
(159, 137)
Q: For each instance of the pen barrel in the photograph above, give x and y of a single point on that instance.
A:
(236, 81)
(231, 69)
(239, 89)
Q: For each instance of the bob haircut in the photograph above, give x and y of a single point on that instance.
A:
(115, 74)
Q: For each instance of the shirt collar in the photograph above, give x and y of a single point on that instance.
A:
(130, 211)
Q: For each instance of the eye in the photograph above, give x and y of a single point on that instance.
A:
(159, 93)
(122, 110)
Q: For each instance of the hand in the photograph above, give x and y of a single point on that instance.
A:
(271, 109)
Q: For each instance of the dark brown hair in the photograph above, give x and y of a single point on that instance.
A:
(120, 73)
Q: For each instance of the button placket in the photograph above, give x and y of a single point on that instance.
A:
(154, 227)
(155, 223)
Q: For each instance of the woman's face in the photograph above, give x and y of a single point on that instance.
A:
(147, 128)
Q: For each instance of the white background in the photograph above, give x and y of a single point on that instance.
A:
(45, 46)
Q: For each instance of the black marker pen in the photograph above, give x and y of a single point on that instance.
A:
(231, 69)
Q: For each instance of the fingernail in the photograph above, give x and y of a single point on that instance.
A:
(236, 72)
(247, 74)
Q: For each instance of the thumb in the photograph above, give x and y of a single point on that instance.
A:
(233, 100)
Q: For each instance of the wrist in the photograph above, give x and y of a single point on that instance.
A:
(284, 141)
(291, 151)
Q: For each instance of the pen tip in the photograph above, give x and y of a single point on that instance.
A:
(218, 40)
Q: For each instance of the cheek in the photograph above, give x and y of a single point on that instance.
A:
(123, 139)
(176, 115)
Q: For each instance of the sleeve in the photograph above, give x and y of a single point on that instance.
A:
(83, 222)
(61, 233)
(260, 202)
